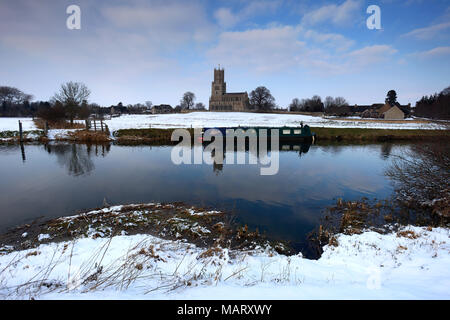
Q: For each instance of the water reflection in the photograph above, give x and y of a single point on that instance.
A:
(77, 158)
(386, 150)
(287, 205)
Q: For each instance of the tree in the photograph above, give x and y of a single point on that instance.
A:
(187, 102)
(329, 102)
(148, 104)
(435, 106)
(85, 110)
(391, 97)
(446, 91)
(261, 99)
(337, 106)
(71, 95)
(314, 104)
(200, 106)
(13, 95)
(340, 102)
(295, 105)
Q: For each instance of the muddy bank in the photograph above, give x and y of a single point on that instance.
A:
(203, 227)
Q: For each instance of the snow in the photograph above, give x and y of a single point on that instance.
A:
(12, 124)
(363, 266)
(235, 119)
(43, 237)
(226, 119)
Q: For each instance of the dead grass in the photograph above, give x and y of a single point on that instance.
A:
(407, 234)
(381, 135)
(40, 123)
(87, 136)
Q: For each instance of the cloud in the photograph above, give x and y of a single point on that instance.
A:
(167, 22)
(331, 40)
(430, 32)
(263, 50)
(227, 19)
(282, 48)
(338, 15)
(433, 53)
(371, 55)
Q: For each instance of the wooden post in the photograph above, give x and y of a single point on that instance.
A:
(95, 126)
(20, 132)
(46, 128)
(22, 149)
(101, 124)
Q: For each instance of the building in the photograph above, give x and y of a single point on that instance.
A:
(394, 113)
(220, 100)
(386, 111)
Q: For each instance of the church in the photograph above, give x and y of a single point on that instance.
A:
(220, 100)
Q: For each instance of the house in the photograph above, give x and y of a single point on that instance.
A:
(394, 113)
(367, 111)
(386, 111)
(162, 108)
(383, 109)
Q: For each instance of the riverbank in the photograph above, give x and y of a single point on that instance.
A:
(154, 251)
(163, 136)
(364, 266)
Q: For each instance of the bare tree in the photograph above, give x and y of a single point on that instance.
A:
(71, 95)
(295, 105)
(340, 102)
(13, 95)
(422, 176)
(329, 102)
(187, 102)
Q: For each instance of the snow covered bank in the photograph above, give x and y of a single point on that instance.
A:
(410, 264)
(234, 119)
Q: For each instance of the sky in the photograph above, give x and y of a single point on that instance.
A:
(136, 51)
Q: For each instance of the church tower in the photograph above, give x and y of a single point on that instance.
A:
(219, 86)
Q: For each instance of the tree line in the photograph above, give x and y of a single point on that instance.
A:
(71, 102)
(435, 106)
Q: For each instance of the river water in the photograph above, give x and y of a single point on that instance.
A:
(46, 181)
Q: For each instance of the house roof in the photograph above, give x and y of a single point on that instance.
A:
(393, 108)
(384, 108)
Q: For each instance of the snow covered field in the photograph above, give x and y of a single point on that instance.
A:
(229, 119)
(222, 119)
(234, 119)
(12, 124)
(412, 264)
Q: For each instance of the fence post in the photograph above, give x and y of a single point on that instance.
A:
(20, 132)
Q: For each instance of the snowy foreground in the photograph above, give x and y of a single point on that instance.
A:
(225, 119)
(412, 264)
